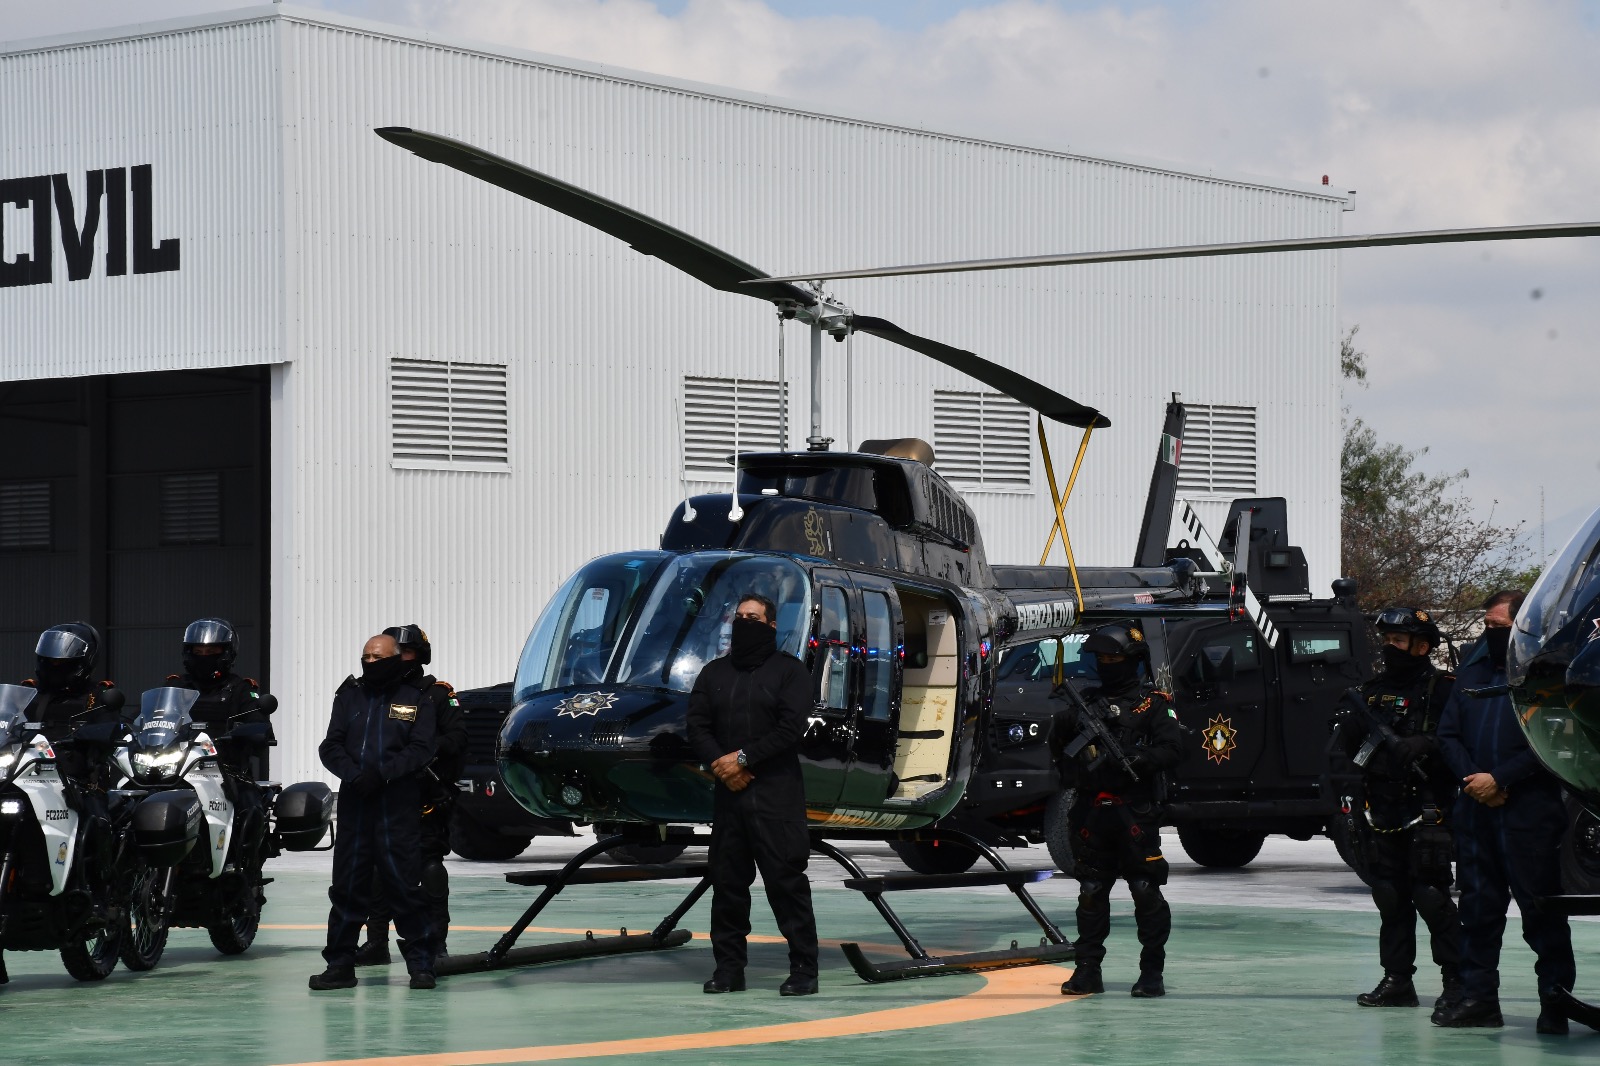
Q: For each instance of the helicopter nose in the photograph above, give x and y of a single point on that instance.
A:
(1583, 685)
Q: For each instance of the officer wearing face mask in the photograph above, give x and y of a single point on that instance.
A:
(747, 715)
(69, 697)
(1509, 820)
(1115, 818)
(380, 737)
(1388, 734)
(210, 647)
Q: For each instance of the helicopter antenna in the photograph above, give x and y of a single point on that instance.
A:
(850, 391)
(735, 512)
(783, 395)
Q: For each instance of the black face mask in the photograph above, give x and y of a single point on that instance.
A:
(1400, 663)
(383, 673)
(1497, 640)
(203, 669)
(1117, 676)
(753, 643)
(58, 674)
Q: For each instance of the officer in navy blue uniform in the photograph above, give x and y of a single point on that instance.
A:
(1509, 822)
(380, 738)
(747, 715)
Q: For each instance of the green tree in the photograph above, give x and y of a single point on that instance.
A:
(1411, 538)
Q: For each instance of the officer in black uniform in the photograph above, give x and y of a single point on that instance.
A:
(1114, 818)
(747, 715)
(438, 788)
(1389, 739)
(210, 648)
(380, 738)
(69, 697)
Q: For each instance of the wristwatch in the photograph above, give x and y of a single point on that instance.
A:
(743, 759)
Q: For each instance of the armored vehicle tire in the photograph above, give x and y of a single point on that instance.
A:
(476, 843)
(1219, 848)
(633, 854)
(934, 856)
(94, 957)
(1057, 831)
(1580, 851)
(144, 930)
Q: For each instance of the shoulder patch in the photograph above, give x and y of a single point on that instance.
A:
(252, 682)
(1171, 713)
(174, 677)
(108, 683)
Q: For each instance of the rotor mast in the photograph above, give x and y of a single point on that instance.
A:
(829, 316)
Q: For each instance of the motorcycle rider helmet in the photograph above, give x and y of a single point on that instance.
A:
(414, 637)
(1409, 620)
(67, 654)
(209, 633)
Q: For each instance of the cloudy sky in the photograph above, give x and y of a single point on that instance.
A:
(1439, 113)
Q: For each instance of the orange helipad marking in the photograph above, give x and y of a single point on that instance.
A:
(1004, 992)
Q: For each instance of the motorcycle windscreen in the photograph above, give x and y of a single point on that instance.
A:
(162, 713)
(14, 702)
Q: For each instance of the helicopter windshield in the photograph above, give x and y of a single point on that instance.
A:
(688, 618)
(1566, 584)
(572, 642)
(162, 712)
(14, 701)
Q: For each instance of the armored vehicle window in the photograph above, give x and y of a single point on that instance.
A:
(878, 689)
(1037, 661)
(1246, 657)
(1331, 647)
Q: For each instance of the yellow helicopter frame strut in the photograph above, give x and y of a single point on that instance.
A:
(1060, 500)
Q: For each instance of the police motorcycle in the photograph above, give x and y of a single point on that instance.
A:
(59, 883)
(202, 838)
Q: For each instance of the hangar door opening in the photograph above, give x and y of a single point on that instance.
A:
(137, 503)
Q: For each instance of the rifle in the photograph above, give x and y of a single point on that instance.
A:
(1092, 730)
(1379, 734)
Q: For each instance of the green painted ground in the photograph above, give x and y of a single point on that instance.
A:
(1267, 986)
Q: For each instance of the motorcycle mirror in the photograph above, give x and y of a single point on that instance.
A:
(266, 704)
(114, 699)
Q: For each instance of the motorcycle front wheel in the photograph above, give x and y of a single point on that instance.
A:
(95, 956)
(144, 934)
(235, 934)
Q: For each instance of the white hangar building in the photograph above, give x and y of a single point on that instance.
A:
(257, 362)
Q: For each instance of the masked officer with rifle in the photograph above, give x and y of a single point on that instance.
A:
(1114, 742)
(1384, 739)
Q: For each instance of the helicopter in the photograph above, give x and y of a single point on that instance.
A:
(884, 588)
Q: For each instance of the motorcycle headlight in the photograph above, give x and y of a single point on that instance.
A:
(156, 766)
(11, 807)
(8, 761)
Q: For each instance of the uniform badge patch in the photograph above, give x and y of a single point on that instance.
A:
(402, 712)
(585, 703)
(1220, 739)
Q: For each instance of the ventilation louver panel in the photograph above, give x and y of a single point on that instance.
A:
(451, 413)
(1219, 450)
(982, 440)
(191, 508)
(722, 416)
(24, 515)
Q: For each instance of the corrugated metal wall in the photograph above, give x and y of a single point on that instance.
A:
(389, 256)
(200, 108)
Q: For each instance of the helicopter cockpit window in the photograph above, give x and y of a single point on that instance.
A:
(688, 618)
(1561, 587)
(573, 640)
(851, 486)
(833, 648)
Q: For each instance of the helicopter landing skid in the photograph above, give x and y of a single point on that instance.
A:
(505, 954)
(1053, 947)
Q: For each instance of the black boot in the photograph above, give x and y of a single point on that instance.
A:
(723, 982)
(1395, 990)
(1454, 992)
(373, 953)
(1085, 981)
(1552, 1015)
(799, 984)
(333, 977)
(1149, 986)
(423, 979)
(1470, 1014)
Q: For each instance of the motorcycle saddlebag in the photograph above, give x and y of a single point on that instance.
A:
(166, 826)
(304, 811)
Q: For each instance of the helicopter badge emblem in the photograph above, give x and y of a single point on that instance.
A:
(1220, 739)
(585, 703)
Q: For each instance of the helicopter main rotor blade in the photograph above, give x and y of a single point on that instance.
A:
(1194, 251)
(694, 257)
(1046, 401)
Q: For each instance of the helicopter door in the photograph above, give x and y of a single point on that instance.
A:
(877, 709)
(825, 750)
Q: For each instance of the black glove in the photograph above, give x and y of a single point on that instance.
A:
(365, 783)
(1408, 749)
